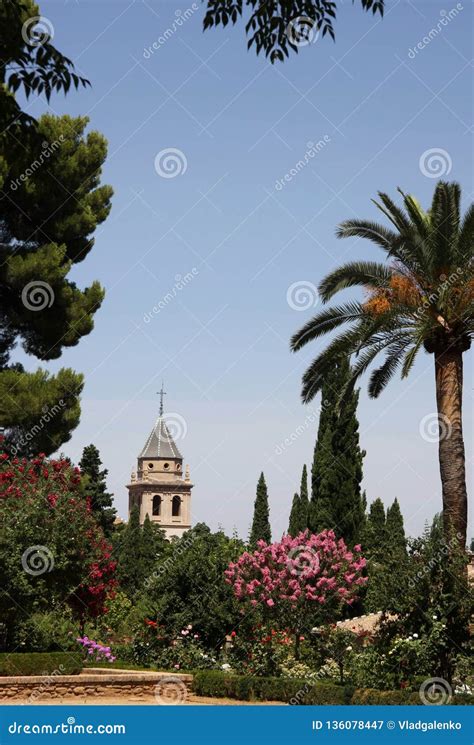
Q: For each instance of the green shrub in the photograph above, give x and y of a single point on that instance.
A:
(375, 697)
(249, 688)
(39, 663)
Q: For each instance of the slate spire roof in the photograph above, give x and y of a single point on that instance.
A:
(160, 444)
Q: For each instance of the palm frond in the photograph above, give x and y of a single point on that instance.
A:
(324, 322)
(382, 376)
(355, 274)
(373, 231)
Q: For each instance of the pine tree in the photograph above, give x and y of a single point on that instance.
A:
(95, 487)
(261, 516)
(294, 524)
(336, 500)
(44, 233)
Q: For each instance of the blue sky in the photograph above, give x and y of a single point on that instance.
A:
(220, 339)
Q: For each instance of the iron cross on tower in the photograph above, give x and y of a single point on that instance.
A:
(161, 394)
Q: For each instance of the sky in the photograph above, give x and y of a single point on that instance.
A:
(212, 252)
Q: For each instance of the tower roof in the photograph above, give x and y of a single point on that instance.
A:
(160, 444)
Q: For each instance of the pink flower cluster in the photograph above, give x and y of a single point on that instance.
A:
(101, 652)
(309, 567)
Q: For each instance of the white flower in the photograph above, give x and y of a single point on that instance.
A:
(349, 649)
(225, 666)
(410, 638)
(415, 636)
(435, 618)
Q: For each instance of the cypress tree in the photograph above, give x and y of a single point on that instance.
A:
(396, 540)
(375, 537)
(130, 569)
(304, 501)
(153, 545)
(261, 516)
(95, 487)
(294, 524)
(336, 500)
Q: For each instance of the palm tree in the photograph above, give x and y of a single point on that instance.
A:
(423, 297)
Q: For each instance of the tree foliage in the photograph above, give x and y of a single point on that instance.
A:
(188, 585)
(421, 299)
(276, 27)
(43, 232)
(298, 581)
(95, 483)
(261, 515)
(336, 500)
(53, 553)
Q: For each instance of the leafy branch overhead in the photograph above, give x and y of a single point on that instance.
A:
(29, 60)
(277, 27)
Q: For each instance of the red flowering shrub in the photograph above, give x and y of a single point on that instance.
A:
(52, 551)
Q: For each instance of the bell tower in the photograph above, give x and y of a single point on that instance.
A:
(158, 487)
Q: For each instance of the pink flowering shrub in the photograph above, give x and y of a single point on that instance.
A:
(295, 579)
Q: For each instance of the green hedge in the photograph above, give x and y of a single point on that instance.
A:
(215, 684)
(248, 688)
(39, 663)
(376, 697)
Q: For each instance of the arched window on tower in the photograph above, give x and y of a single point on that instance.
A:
(176, 507)
(156, 510)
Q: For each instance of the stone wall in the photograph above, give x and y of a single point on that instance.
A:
(162, 688)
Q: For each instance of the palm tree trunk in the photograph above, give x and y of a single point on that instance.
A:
(449, 383)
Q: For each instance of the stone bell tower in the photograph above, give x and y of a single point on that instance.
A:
(158, 487)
